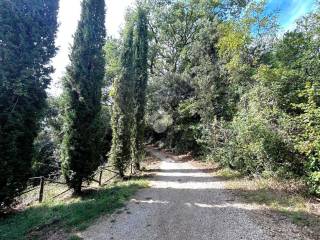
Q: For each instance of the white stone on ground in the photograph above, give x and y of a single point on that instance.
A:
(183, 203)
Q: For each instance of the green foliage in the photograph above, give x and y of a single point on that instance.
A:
(83, 133)
(141, 77)
(112, 56)
(106, 131)
(233, 90)
(175, 28)
(44, 161)
(256, 138)
(308, 138)
(123, 108)
(27, 33)
(46, 158)
(257, 143)
(275, 128)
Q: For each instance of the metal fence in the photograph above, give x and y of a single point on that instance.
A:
(41, 182)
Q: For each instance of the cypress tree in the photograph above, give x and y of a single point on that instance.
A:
(82, 88)
(27, 33)
(122, 110)
(141, 78)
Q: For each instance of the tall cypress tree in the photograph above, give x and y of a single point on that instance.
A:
(122, 111)
(82, 87)
(141, 78)
(27, 33)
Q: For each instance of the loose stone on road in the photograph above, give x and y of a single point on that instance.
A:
(183, 203)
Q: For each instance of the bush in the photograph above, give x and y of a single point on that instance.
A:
(254, 141)
(314, 183)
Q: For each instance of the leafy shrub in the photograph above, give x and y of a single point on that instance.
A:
(314, 183)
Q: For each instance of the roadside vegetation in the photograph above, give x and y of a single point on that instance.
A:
(227, 84)
(288, 198)
(99, 117)
(69, 215)
(216, 79)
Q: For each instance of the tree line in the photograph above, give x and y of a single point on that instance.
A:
(70, 134)
(219, 79)
(227, 84)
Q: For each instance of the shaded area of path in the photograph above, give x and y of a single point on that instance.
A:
(183, 203)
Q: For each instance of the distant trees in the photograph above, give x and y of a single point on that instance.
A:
(235, 92)
(221, 85)
(185, 82)
(46, 157)
(27, 33)
(81, 147)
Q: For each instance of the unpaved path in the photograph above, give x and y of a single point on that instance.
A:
(183, 203)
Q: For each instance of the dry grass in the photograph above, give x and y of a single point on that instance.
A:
(275, 196)
(285, 197)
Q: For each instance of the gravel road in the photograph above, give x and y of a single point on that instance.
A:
(183, 203)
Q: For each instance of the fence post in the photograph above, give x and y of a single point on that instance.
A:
(100, 177)
(41, 189)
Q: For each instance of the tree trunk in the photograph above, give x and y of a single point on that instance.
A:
(137, 165)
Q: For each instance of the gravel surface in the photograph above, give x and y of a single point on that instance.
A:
(183, 203)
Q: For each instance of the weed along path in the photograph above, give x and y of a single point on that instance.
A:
(183, 203)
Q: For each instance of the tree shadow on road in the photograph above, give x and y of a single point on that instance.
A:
(76, 213)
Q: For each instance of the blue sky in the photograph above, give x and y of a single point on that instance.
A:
(290, 10)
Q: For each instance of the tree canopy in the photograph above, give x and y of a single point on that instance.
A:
(217, 79)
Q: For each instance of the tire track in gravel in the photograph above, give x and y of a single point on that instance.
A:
(183, 203)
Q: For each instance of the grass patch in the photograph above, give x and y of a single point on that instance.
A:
(286, 197)
(72, 214)
(75, 238)
(228, 174)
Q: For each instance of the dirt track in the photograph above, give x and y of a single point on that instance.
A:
(184, 203)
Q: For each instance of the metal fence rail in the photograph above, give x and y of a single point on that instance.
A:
(43, 180)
